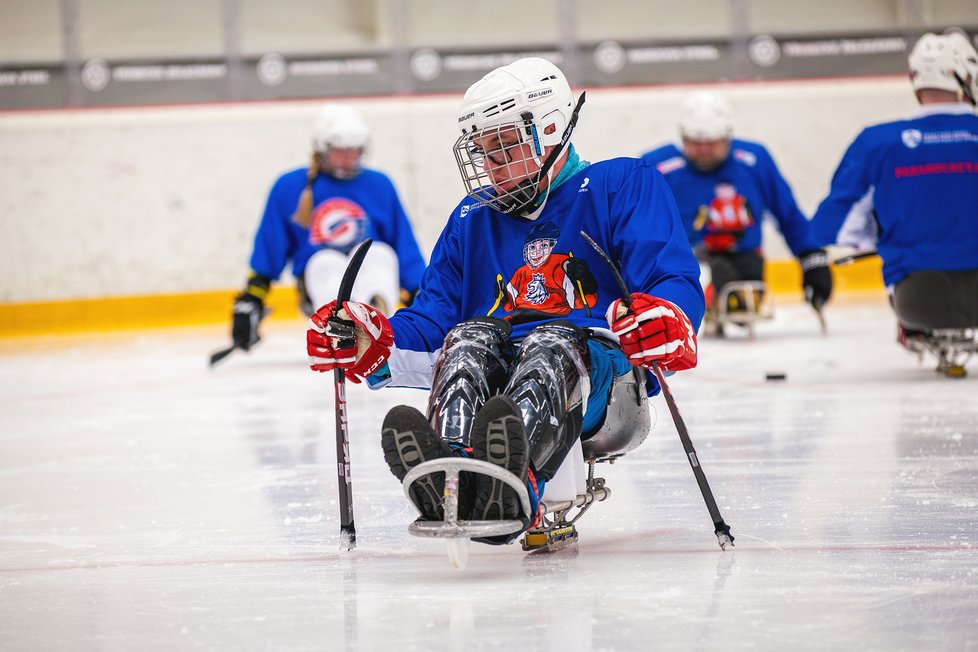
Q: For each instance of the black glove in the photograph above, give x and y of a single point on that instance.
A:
(816, 277)
(249, 309)
(578, 272)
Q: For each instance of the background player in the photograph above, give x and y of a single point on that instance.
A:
(315, 217)
(909, 188)
(724, 187)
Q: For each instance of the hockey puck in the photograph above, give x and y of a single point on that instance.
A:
(776, 376)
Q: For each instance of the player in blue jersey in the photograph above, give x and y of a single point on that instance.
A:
(724, 187)
(520, 329)
(909, 188)
(315, 217)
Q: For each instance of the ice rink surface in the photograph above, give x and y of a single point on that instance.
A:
(148, 503)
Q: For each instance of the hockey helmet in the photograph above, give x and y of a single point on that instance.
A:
(706, 116)
(946, 62)
(530, 102)
(338, 125)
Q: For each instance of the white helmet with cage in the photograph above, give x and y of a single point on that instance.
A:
(946, 62)
(338, 125)
(706, 116)
(530, 102)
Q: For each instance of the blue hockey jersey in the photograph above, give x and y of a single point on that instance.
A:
(751, 177)
(914, 183)
(488, 263)
(345, 212)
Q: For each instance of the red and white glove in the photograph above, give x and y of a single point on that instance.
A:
(653, 330)
(356, 338)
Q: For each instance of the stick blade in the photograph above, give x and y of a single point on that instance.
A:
(217, 356)
(352, 269)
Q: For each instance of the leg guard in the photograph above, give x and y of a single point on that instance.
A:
(473, 366)
(549, 383)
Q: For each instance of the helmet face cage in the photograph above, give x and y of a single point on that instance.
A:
(515, 153)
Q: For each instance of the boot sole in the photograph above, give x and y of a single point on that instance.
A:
(408, 440)
(498, 437)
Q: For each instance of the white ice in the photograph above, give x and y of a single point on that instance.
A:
(148, 503)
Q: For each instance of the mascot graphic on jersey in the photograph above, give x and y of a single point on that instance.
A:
(549, 284)
(337, 223)
(725, 219)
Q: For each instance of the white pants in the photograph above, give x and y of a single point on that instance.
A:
(378, 276)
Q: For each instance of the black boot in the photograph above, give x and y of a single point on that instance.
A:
(498, 437)
(408, 440)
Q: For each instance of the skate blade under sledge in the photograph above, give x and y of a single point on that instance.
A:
(459, 534)
(557, 528)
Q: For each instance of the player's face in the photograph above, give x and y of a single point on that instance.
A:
(706, 155)
(342, 162)
(507, 159)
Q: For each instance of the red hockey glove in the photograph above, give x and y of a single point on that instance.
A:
(356, 338)
(653, 330)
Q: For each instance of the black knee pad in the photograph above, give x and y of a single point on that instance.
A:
(550, 383)
(473, 365)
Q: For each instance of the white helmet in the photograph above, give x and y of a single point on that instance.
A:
(706, 116)
(529, 97)
(946, 62)
(338, 125)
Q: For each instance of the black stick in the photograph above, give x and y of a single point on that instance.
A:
(722, 530)
(348, 530)
(217, 356)
(851, 258)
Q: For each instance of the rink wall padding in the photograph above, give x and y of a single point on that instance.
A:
(106, 208)
(198, 308)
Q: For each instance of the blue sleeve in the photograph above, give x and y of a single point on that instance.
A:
(423, 326)
(781, 202)
(850, 183)
(399, 235)
(274, 241)
(652, 245)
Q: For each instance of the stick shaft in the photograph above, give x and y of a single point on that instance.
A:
(694, 462)
(348, 530)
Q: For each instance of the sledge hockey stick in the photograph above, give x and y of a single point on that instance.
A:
(348, 530)
(722, 529)
(842, 261)
(217, 356)
(851, 258)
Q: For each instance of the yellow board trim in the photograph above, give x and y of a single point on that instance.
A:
(784, 276)
(127, 313)
(199, 308)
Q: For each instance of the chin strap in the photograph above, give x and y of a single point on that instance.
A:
(965, 90)
(528, 210)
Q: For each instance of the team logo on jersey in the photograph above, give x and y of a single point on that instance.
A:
(549, 284)
(583, 187)
(337, 223)
(725, 219)
(911, 137)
